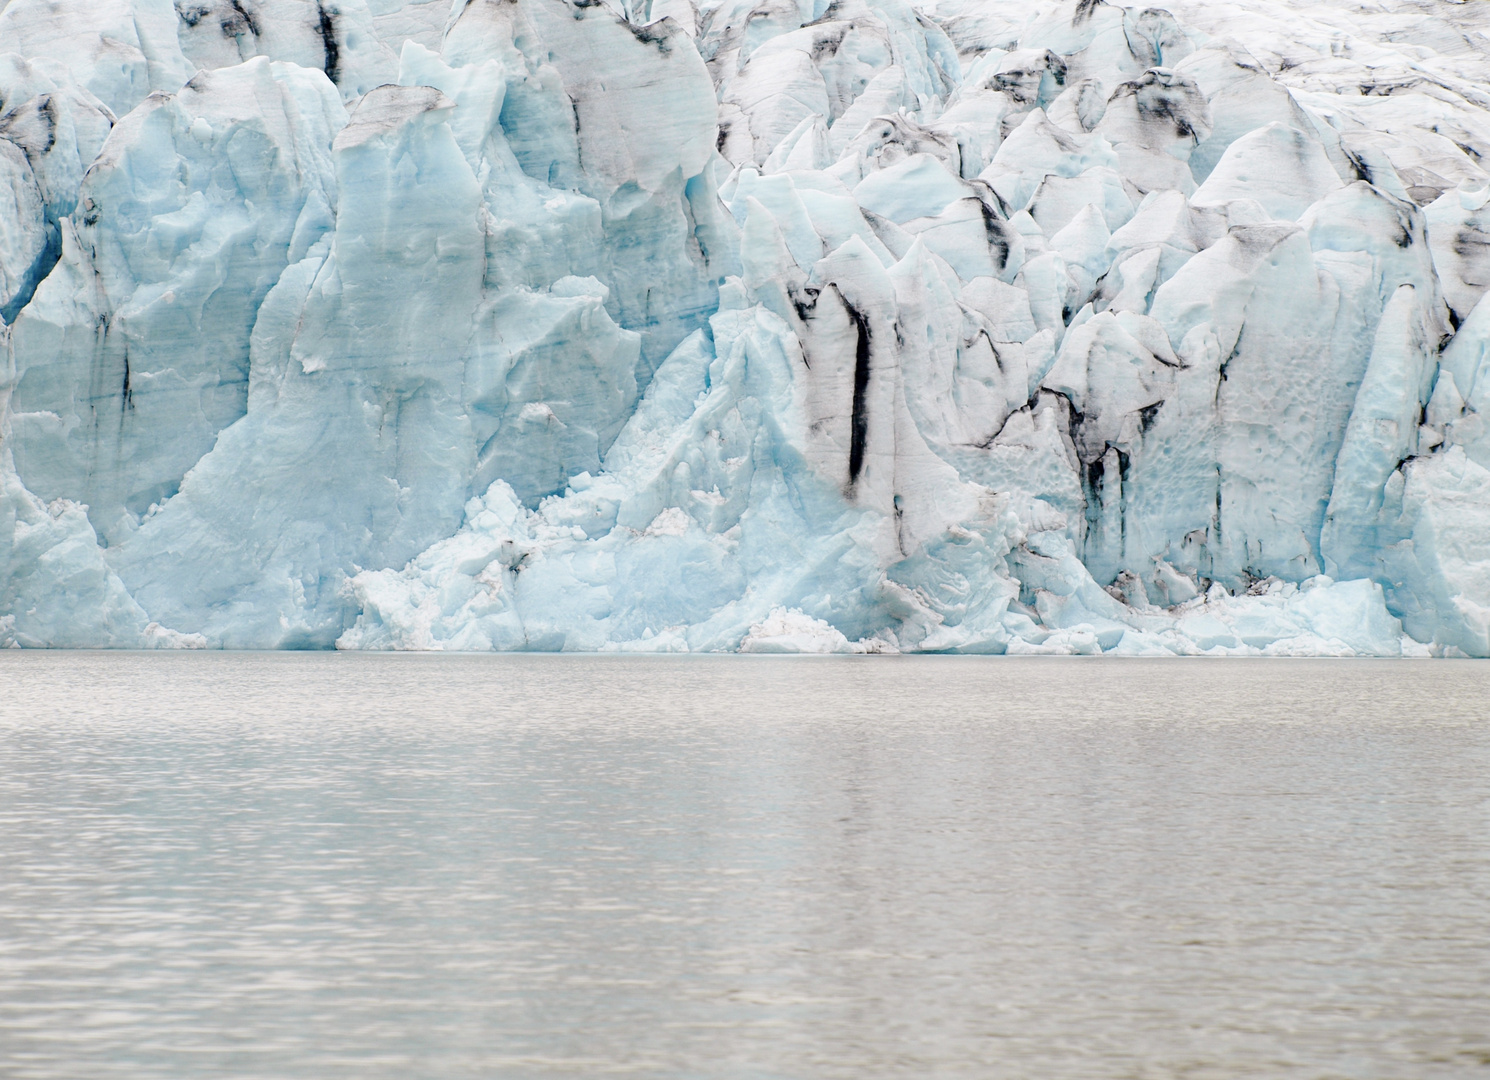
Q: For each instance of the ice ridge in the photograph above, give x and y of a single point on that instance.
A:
(789, 326)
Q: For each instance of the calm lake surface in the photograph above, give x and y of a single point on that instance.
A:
(330, 866)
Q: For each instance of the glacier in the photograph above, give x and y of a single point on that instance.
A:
(823, 326)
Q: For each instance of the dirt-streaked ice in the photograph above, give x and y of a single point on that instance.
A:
(983, 326)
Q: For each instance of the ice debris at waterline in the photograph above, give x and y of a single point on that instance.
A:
(771, 326)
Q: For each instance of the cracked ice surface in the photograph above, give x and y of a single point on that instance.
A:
(795, 326)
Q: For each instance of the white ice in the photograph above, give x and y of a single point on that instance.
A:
(645, 325)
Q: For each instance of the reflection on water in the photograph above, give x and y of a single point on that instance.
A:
(330, 866)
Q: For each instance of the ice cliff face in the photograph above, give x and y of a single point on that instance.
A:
(783, 326)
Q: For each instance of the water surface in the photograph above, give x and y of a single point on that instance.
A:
(341, 866)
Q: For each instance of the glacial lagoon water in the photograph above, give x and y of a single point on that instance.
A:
(330, 865)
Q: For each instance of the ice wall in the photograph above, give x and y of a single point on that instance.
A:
(984, 326)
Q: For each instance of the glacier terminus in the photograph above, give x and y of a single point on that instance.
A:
(981, 326)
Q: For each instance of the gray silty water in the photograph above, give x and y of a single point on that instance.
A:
(331, 866)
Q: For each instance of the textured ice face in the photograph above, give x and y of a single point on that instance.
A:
(136, 346)
(639, 325)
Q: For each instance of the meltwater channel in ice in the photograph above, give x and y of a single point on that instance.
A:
(984, 326)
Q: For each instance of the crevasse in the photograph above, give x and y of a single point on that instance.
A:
(795, 326)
